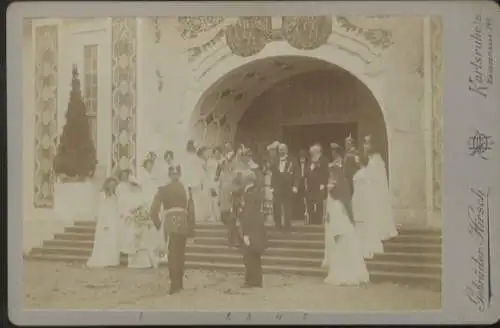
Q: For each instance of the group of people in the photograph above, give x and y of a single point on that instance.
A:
(150, 217)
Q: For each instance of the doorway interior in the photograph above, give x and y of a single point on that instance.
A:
(301, 137)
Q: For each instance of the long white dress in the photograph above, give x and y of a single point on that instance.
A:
(346, 265)
(364, 208)
(140, 244)
(150, 184)
(211, 185)
(193, 176)
(384, 216)
(106, 250)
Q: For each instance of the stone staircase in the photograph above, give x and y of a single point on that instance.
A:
(413, 257)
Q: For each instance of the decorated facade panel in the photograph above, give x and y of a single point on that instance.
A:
(46, 92)
(124, 93)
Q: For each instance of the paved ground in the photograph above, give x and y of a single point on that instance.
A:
(52, 285)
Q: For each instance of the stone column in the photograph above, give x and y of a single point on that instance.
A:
(404, 103)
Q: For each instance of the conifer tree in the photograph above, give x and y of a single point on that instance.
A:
(76, 154)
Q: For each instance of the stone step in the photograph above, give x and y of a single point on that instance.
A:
(318, 254)
(382, 262)
(373, 265)
(297, 228)
(211, 233)
(389, 246)
(431, 280)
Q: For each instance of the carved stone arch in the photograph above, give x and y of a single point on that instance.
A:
(339, 54)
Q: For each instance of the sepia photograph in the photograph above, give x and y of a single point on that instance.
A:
(225, 163)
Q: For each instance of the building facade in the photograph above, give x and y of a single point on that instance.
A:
(153, 83)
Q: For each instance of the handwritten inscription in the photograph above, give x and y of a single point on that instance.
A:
(482, 61)
(478, 290)
(480, 144)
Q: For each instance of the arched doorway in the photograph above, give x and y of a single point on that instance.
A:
(296, 99)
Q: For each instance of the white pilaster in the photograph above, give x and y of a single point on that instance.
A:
(141, 129)
(427, 119)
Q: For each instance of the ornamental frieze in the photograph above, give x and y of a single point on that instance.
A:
(192, 26)
(377, 37)
(306, 32)
(249, 35)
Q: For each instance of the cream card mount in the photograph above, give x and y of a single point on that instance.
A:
(399, 98)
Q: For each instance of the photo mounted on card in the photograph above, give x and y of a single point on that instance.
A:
(258, 163)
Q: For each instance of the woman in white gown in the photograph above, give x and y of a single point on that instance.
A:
(364, 208)
(346, 265)
(212, 163)
(150, 182)
(384, 216)
(148, 179)
(193, 177)
(140, 242)
(106, 251)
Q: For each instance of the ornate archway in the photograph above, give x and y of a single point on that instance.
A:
(261, 92)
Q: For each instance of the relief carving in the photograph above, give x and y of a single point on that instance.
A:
(378, 37)
(249, 35)
(194, 52)
(192, 26)
(306, 32)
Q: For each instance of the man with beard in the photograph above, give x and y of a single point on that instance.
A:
(283, 188)
(316, 182)
(178, 216)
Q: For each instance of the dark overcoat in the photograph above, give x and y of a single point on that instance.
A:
(251, 219)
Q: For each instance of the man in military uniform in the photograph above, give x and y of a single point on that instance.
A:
(253, 230)
(178, 217)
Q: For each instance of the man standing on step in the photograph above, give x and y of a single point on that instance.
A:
(316, 182)
(282, 182)
(178, 222)
(253, 230)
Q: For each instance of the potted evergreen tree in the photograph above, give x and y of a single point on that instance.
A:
(75, 161)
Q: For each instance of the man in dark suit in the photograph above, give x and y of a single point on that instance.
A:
(350, 167)
(178, 214)
(253, 230)
(316, 182)
(299, 202)
(282, 183)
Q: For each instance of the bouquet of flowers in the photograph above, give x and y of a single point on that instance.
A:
(139, 216)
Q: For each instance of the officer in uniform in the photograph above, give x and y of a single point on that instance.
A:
(179, 221)
(252, 230)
